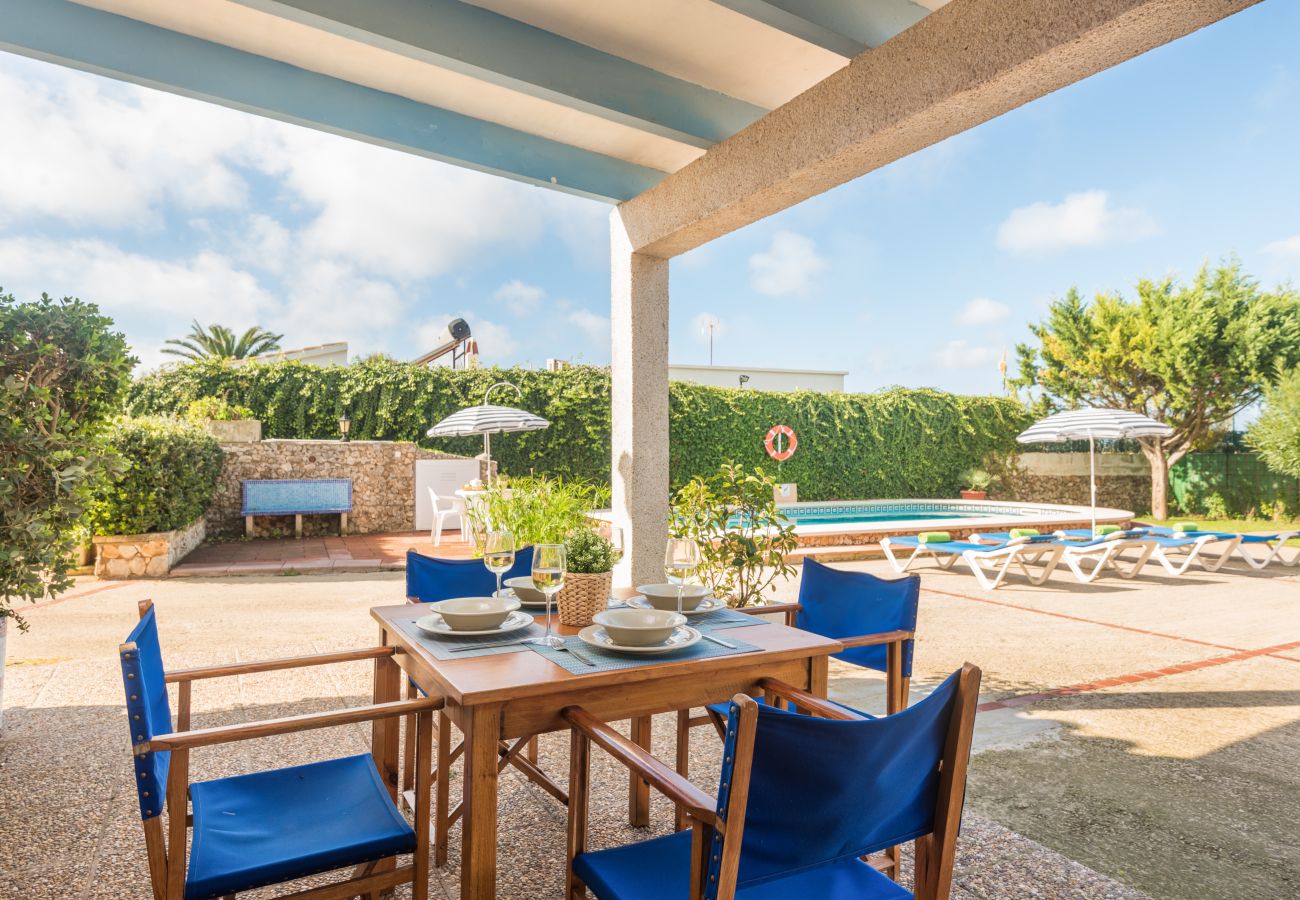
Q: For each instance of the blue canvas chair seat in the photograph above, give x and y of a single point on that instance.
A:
(274, 826)
(801, 800)
(620, 872)
(720, 709)
(1036, 557)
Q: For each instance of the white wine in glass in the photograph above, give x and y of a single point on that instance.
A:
(549, 565)
(499, 553)
(681, 559)
(615, 538)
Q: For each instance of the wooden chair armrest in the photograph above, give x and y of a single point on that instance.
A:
(770, 608)
(271, 665)
(226, 734)
(875, 640)
(698, 805)
(805, 700)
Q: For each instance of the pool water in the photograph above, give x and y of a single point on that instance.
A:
(865, 512)
(816, 517)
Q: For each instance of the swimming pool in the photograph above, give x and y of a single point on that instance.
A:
(871, 519)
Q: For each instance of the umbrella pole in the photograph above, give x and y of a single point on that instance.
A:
(1092, 480)
(487, 456)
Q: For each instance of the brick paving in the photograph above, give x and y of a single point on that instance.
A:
(318, 555)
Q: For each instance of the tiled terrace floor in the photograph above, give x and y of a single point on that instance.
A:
(317, 555)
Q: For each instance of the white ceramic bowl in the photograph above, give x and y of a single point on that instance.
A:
(664, 596)
(524, 590)
(475, 613)
(638, 627)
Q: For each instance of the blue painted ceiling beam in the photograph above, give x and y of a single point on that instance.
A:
(845, 27)
(503, 51)
(106, 44)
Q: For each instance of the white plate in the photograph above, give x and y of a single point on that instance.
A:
(684, 636)
(434, 625)
(707, 605)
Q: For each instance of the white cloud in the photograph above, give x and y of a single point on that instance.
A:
(1287, 248)
(959, 354)
(983, 311)
(593, 325)
(264, 244)
(1084, 219)
(788, 266)
(520, 297)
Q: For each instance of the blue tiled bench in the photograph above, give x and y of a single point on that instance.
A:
(297, 497)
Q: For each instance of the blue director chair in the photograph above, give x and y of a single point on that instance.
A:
(429, 579)
(273, 826)
(802, 800)
(874, 618)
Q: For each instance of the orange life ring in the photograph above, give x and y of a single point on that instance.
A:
(770, 442)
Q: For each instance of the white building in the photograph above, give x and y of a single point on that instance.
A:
(756, 378)
(335, 354)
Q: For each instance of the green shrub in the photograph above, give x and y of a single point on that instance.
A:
(168, 475)
(1276, 433)
(587, 553)
(63, 371)
(897, 443)
(538, 510)
(216, 409)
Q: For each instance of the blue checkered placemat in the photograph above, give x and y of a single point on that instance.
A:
(609, 661)
(441, 647)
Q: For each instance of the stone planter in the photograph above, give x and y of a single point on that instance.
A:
(974, 495)
(235, 431)
(145, 555)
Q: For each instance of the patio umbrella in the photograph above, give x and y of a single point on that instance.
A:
(488, 420)
(1093, 424)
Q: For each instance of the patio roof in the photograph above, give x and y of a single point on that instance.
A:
(696, 117)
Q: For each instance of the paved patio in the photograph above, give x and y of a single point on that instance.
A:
(329, 553)
(1144, 730)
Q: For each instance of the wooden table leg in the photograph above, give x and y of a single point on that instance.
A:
(385, 735)
(478, 870)
(638, 795)
(818, 675)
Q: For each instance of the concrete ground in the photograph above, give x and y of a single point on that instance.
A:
(1144, 730)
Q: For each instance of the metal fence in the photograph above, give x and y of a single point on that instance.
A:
(1238, 482)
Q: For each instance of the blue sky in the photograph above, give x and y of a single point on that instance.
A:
(163, 209)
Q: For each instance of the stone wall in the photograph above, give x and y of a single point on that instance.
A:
(382, 473)
(145, 555)
(1123, 480)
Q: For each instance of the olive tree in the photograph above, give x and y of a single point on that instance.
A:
(63, 372)
(1189, 355)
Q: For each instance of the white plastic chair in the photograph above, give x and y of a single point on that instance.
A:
(442, 508)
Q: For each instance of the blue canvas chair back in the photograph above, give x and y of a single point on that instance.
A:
(429, 579)
(859, 786)
(839, 604)
(148, 711)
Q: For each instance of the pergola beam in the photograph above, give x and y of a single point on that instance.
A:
(512, 54)
(95, 41)
(969, 62)
(843, 28)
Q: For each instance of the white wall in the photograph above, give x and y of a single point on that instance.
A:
(760, 379)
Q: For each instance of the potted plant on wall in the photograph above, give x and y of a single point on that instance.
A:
(228, 423)
(977, 484)
(590, 575)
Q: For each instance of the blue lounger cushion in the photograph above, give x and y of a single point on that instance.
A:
(269, 827)
(624, 873)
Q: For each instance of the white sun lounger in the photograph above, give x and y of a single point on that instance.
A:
(1090, 557)
(1177, 553)
(989, 563)
(1274, 542)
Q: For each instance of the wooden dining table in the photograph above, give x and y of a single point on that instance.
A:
(510, 696)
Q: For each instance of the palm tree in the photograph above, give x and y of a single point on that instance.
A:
(219, 342)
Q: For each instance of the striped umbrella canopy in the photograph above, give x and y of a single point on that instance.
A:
(487, 420)
(1093, 425)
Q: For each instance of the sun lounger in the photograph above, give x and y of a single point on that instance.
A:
(1036, 557)
(1274, 542)
(1177, 553)
(1090, 557)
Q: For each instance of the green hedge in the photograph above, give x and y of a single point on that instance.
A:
(170, 471)
(898, 443)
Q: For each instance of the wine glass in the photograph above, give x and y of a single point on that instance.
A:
(614, 535)
(681, 559)
(499, 554)
(548, 577)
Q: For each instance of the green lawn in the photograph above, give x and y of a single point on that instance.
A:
(1241, 525)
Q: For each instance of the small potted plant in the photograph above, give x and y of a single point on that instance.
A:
(978, 481)
(590, 573)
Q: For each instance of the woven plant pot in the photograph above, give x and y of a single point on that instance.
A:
(582, 596)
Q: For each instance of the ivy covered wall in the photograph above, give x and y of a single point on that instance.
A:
(897, 443)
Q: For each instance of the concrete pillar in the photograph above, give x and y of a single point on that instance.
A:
(639, 438)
